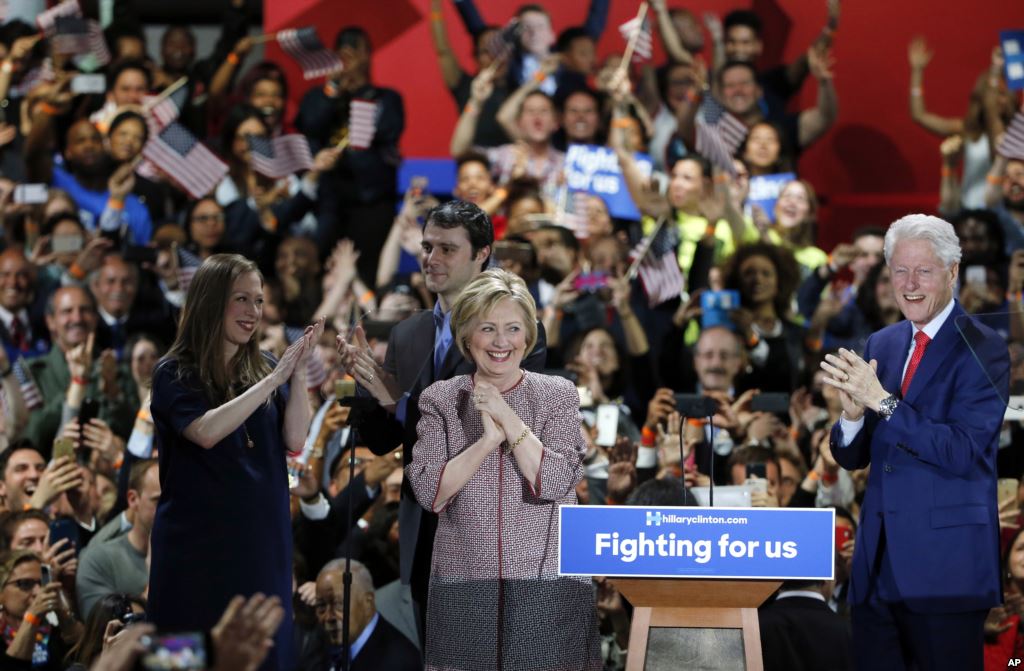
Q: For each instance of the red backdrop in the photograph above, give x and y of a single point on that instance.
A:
(875, 163)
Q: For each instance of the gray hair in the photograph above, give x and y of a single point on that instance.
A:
(362, 581)
(937, 231)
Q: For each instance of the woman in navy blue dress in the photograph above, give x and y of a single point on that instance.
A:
(224, 422)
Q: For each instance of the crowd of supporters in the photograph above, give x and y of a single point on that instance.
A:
(95, 267)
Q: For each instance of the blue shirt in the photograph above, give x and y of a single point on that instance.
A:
(135, 214)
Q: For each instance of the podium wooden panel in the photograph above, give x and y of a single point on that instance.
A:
(689, 603)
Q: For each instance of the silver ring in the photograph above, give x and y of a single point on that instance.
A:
(369, 378)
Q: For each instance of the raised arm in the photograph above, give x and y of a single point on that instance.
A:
(470, 16)
(713, 22)
(994, 181)
(814, 122)
(298, 412)
(509, 110)
(451, 73)
(994, 126)
(919, 56)
(465, 127)
(669, 37)
(597, 17)
(949, 187)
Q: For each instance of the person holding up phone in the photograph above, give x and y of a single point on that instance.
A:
(224, 419)
(29, 640)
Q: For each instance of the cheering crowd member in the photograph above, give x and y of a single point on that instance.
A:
(223, 424)
(499, 451)
(924, 407)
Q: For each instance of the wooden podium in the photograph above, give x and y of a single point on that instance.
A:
(694, 623)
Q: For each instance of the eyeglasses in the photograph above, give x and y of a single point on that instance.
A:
(25, 584)
(322, 608)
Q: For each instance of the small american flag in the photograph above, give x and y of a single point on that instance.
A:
(362, 123)
(97, 43)
(34, 77)
(47, 21)
(29, 390)
(574, 215)
(1012, 145)
(71, 35)
(305, 47)
(316, 372)
(280, 156)
(501, 42)
(719, 134)
(184, 158)
(166, 111)
(659, 267)
(188, 264)
(644, 47)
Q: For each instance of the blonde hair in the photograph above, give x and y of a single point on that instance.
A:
(481, 295)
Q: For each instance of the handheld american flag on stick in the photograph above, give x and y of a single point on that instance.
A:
(188, 264)
(501, 42)
(638, 30)
(719, 134)
(654, 259)
(280, 156)
(29, 390)
(634, 37)
(1012, 145)
(47, 21)
(74, 35)
(305, 47)
(164, 109)
(184, 158)
(362, 123)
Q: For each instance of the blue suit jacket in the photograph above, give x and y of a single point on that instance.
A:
(932, 487)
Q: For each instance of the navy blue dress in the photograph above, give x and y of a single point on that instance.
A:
(222, 526)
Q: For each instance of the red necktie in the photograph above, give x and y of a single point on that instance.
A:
(18, 334)
(921, 341)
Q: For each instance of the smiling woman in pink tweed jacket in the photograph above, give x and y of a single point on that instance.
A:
(498, 452)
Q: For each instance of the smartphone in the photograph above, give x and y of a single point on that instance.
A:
(62, 528)
(590, 282)
(344, 388)
(46, 575)
(976, 275)
(586, 397)
(607, 425)
(30, 194)
(515, 252)
(1006, 488)
(715, 308)
(61, 244)
(696, 405)
(757, 469)
(90, 410)
(63, 447)
(843, 534)
(90, 83)
(775, 403)
(184, 651)
(139, 254)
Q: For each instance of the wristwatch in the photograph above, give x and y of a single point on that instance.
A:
(887, 406)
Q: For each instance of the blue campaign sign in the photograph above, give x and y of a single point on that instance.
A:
(595, 169)
(765, 190)
(675, 542)
(1012, 42)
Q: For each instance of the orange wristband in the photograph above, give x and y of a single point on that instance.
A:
(622, 122)
(647, 437)
(992, 179)
(76, 271)
(710, 230)
(47, 108)
(79, 380)
(436, 16)
(233, 58)
(692, 96)
(470, 108)
(813, 476)
(32, 619)
(946, 171)
(539, 76)
(115, 204)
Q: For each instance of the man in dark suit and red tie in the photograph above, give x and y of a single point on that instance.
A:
(923, 408)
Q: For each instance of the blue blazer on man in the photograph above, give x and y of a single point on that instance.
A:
(932, 486)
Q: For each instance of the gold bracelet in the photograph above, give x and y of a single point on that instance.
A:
(520, 439)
